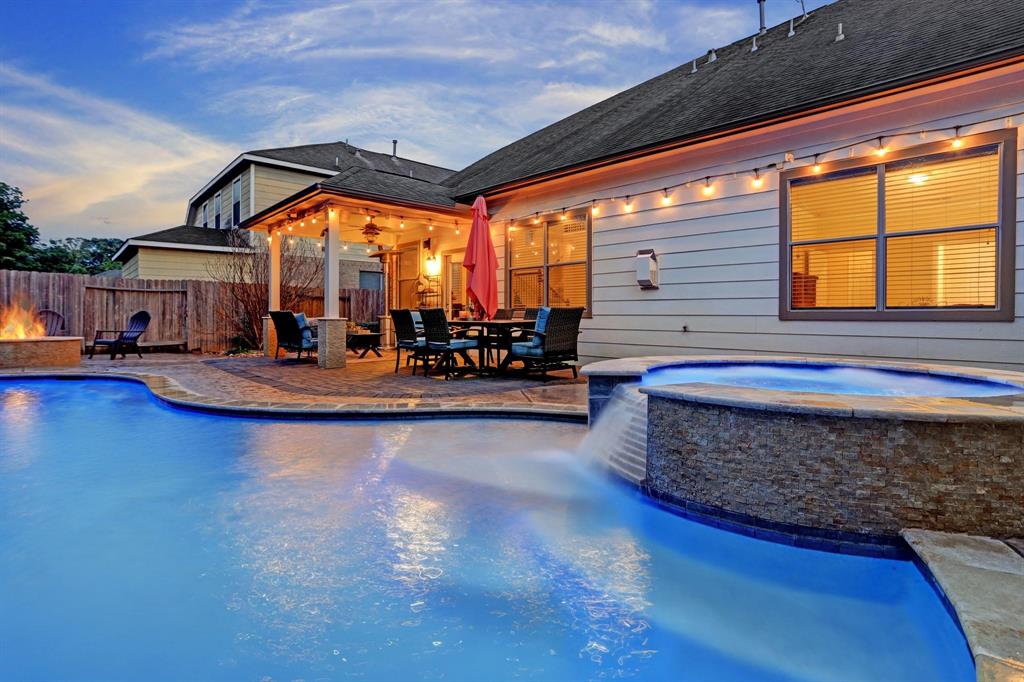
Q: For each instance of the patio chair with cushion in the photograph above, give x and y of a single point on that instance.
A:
(291, 335)
(124, 339)
(442, 343)
(53, 322)
(408, 338)
(552, 343)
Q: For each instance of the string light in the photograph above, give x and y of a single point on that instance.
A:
(313, 220)
(758, 181)
(456, 227)
(593, 207)
(430, 224)
(957, 142)
(401, 223)
(667, 198)
(289, 227)
(563, 216)
(536, 218)
(627, 204)
(882, 149)
(817, 166)
(708, 189)
(302, 223)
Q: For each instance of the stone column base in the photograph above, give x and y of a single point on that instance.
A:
(269, 337)
(331, 342)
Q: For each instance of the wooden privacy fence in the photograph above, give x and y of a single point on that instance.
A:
(188, 313)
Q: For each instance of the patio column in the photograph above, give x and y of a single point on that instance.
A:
(273, 290)
(331, 328)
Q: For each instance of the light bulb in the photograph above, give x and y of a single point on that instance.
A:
(882, 149)
(708, 189)
(593, 209)
(302, 223)
(667, 199)
(289, 227)
(957, 143)
(313, 221)
(758, 181)
(367, 218)
(270, 239)
(627, 205)
(535, 219)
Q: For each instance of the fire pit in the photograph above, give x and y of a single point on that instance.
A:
(23, 342)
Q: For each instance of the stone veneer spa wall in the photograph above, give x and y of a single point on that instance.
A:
(840, 464)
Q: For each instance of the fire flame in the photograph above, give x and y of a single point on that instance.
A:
(20, 322)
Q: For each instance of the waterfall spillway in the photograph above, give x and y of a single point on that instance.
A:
(618, 440)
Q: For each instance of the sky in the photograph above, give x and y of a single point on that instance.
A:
(112, 114)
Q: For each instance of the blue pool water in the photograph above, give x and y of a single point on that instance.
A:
(827, 379)
(142, 542)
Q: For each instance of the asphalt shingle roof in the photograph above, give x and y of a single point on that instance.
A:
(342, 156)
(887, 43)
(365, 181)
(188, 234)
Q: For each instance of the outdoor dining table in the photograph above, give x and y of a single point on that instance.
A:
(500, 331)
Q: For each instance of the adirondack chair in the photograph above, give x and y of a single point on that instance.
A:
(124, 339)
(291, 336)
(53, 322)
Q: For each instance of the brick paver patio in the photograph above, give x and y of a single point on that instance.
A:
(365, 386)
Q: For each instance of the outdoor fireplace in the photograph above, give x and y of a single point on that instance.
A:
(23, 341)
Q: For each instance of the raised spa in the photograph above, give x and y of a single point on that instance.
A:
(828, 378)
(849, 451)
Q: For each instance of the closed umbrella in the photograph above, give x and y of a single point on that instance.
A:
(482, 263)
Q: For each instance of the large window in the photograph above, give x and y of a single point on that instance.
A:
(925, 235)
(236, 202)
(548, 262)
(216, 210)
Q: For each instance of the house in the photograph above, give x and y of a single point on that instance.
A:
(844, 184)
(252, 181)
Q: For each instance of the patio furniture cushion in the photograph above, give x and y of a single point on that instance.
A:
(457, 344)
(541, 326)
(307, 334)
(527, 349)
(418, 343)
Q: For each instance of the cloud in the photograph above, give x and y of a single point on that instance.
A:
(88, 165)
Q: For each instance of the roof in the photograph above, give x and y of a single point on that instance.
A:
(373, 183)
(343, 156)
(886, 44)
(184, 237)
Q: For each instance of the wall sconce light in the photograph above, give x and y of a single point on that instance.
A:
(433, 266)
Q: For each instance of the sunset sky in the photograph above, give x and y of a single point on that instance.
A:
(112, 114)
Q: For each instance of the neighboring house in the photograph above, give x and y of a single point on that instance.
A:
(182, 252)
(845, 184)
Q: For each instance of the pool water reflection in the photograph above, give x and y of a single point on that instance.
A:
(138, 541)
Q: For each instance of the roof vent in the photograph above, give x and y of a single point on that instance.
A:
(839, 33)
(712, 56)
(337, 162)
(791, 31)
(760, 9)
(753, 44)
(694, 69)
(394, 148)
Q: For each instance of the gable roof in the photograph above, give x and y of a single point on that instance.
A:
(184, 237)
(340, 156)
(372, 183)
(886, 44)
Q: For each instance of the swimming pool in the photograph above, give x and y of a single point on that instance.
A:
(139, 541)
(827, 378)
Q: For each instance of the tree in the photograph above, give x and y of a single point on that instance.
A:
(245, 273)
(17, 236)
(81, 255)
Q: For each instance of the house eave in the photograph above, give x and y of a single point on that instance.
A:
(176, 246)
(912, 82)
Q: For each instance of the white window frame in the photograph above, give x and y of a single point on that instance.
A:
(216, 210)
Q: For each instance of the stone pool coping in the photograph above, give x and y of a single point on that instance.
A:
(171, 392)
(905, 408)
(983, 581)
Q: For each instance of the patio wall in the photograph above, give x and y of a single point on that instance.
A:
(719, 256)
(184, 311)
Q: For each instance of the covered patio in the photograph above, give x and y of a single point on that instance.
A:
(419, 237)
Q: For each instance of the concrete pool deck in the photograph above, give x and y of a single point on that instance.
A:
(365, 389)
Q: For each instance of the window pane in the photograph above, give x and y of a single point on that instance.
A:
(567, 240)
(567, 285)
(943, 191)
(834, 275)
(840, 205)
(526, 245)
(952, 269)
(526, 287)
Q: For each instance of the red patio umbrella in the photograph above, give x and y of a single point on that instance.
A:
(482, 263)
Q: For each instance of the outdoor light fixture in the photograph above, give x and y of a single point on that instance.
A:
(536, 218)
(817, 166)
(371, 231)
(457, 230)
(433, 266)
(627, 204)
(401, 223)
(430, 225)
(708, 189)
(758, 181)
(666, 199)
(957, 142)
(882, 149)
(593, 208)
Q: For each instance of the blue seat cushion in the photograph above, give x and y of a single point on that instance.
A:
(456, 344)
(418, 343)
(541, 326)
(527, 350)
(307, 334)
